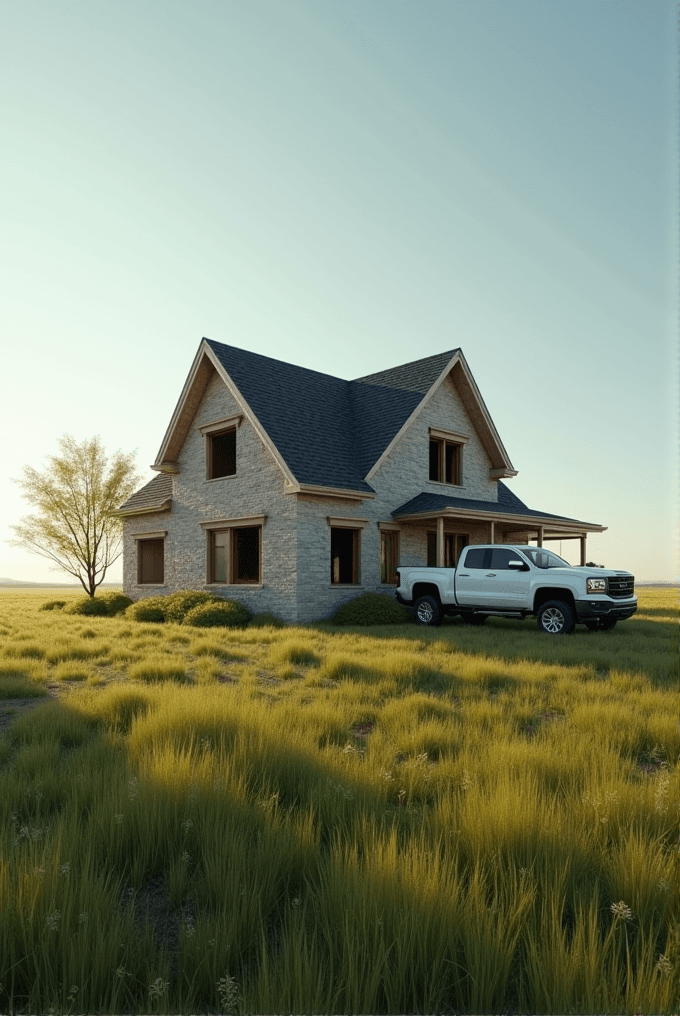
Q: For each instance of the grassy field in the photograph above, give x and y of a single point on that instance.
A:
(299, 820)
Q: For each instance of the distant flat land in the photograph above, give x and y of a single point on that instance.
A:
(20, 584)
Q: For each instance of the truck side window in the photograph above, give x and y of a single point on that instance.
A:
(500, 559)
(475, 558)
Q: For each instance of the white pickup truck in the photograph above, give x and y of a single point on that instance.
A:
(514, 581)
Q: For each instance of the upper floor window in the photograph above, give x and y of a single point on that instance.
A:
(220, 447)
(221, 455)
(446, 457)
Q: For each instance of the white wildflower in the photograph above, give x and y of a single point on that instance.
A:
(621, 910)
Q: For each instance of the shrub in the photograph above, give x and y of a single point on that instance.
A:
(116, 602)
(152, 608)
(371, 608)
(53, 605)
(223, 614)
(178, 605)
(266, 621)
(88, 606)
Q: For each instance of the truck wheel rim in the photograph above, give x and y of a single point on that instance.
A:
(425, 612)
(553, 620)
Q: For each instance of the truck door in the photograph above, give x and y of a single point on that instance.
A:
(486, 579)
(470, 581)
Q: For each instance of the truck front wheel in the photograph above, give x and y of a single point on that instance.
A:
(428, 611)
(555, 618)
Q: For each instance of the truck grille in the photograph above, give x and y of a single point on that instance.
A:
(621, 586)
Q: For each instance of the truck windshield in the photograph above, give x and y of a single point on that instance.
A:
(544, 558)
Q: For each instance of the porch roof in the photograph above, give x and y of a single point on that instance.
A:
(509, 508)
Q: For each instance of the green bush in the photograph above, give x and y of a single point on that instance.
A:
(53, 605)
(89, 606)
(152, 608)
(221, 614)
(116, 602)
(371, 608)
(178, 605)
(266, 621)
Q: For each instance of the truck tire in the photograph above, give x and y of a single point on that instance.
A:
(474, 619)
(428, 611)
(555, 618)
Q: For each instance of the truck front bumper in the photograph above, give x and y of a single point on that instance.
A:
(591, 610)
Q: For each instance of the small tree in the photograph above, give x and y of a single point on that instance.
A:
(74, 498)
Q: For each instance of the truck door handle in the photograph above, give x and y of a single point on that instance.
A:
(463, 575)
(490, 575)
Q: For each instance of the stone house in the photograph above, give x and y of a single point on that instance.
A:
(294, 491)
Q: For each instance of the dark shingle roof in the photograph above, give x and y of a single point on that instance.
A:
(508, 504)
(417, 376)
(330, 432)
(152, 495)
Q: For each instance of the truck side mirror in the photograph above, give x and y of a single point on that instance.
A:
(518, 566)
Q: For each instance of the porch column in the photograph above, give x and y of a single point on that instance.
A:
(583, 550)
(539, 537)
(492, 540)
(440, 542)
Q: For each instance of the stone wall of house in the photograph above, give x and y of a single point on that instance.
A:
(255, 489)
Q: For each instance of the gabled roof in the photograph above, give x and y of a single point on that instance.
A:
(323, 431)
(508, 504)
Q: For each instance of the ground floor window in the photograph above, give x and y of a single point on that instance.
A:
(344, 556)
(389, 557)
(235, 555)
(150, 562)
(453, 548)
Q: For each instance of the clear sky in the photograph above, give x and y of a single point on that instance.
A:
(349, 186)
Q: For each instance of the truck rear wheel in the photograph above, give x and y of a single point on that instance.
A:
(555, 618)
(428, 611)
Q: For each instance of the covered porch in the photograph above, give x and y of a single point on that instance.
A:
(452, 523)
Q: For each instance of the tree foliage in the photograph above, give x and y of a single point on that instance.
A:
(74, 499)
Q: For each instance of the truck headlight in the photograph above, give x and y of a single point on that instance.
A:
(596, 585)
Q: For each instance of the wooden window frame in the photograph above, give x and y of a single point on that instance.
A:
(443, 445)
(230, 579)
(216, 429)
(146, 538)
(386, 536)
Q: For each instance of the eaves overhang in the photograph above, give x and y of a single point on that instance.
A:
(321, 491)
(162, 506)
(529, 521)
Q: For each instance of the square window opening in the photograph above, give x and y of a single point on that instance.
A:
(235, 555)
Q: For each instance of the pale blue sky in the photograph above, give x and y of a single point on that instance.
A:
(349, 186)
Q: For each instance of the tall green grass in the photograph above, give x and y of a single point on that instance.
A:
(301, 820)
